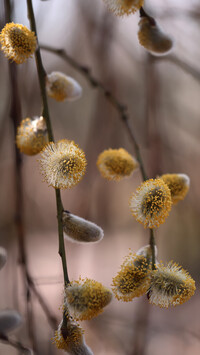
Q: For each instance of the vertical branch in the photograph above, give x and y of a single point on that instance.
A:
(45, 113)
(41, 73)
(152, 244)
(15, 116)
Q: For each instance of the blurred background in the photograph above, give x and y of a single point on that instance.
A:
(163, 100)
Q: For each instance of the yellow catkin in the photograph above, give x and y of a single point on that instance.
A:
(17, 42)
(152, 38)
(115, 164)
(133, 279)
(123, 7)
(170, 286)
(151, 203)
(86, 298)
(31, 135)
(178, 184)
(62, 87)
(62, 164)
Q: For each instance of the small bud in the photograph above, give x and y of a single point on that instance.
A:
(86, 298)
(178, 184)
(31, 135)
(62, 87)
(70, 338)
(152, 38)
(79, 230)
(9, 320)
(3, 257)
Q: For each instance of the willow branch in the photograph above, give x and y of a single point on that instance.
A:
(15, 344)
(121, 109)
(15, 116)
(45, 113)
(95, 83)
(50, 317)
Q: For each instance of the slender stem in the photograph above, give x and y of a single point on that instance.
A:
(144, 14)
(41, 73)
(152, 244)
(42, 76)
(61, 238)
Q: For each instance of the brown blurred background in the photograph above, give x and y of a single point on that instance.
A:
(163, 99)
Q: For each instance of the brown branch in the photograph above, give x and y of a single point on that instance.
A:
(95, 83)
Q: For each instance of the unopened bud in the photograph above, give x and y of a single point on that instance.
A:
(152, 38)
(9, 320)
(3, 257)
(32, 135)
(62, 87)
(79, 230)
(178, 184)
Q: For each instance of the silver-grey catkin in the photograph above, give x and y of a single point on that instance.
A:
(79, 230)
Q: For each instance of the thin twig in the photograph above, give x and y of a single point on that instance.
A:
(50, 317)
(15, 344)
(15, 115)
(95, 83)
(195, 73)
(45, 113)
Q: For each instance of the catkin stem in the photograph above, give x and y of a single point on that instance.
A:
(45, 113)
(152, 244)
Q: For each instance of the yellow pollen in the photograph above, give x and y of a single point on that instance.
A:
(63, 164)
(151, 203)
(86, 298)
(17, 42)
(178, 184)
(31, 135)
(133, 279)
(123, 7)
(115, 164)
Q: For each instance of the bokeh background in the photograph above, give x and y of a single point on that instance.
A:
(163, 100)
